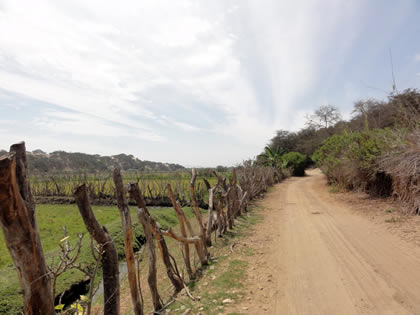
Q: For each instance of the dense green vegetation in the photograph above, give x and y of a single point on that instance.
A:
(350, 159)
(295, 161)
(376, 151)
(366, 159)
(50, 219)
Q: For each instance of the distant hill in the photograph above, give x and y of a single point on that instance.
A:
(61, 161)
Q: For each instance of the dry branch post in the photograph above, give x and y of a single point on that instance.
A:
(110, 269)
(236, 203)
(150, 242)
(180, 217)
(221, 218)
(17, 219)
(198, 245)
(171, 270)
(224, 198)
(243, 201)
(128, 241)
(210, 215)
(205, 254)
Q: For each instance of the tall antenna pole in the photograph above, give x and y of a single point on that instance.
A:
(394, 87)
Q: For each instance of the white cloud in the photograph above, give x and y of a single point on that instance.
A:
(82, 124)
(186, 127)
(232, 70)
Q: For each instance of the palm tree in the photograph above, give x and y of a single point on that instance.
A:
(271, 157)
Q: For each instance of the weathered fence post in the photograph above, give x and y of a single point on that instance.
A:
(210, 215)
(183, 231)
(17, 219)
(204, 260)
(150, 242)
(171, 270)
(109, 259)
(128, 242)
(236, 195)
(198, 245)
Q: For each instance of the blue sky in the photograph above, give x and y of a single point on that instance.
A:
(201, 83)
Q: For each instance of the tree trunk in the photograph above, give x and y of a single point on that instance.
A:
(17, 219)
(128, 242)
(109, 259)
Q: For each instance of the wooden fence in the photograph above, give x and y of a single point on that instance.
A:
(228, 198)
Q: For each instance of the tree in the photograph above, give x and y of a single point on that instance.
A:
(324, 117)
(308, 140)
(221, 169)
(283, 142)
(296, 161)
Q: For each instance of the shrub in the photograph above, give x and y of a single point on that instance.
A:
(296, 161)
(351, 160)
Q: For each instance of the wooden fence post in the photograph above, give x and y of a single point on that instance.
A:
(128, 242)
(171, 270)
(109, 258)
(210, 215)
(199, 218)
(150, 243)
(17, 219)
(183, 231)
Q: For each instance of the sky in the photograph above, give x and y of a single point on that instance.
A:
(200, 83)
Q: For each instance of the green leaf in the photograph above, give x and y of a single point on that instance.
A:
(59, 307)
(64, 239)
(77, 307)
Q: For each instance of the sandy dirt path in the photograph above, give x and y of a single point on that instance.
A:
(314, 255)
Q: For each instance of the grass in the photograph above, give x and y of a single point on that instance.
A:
(226, 274)
(393, 220)
(50, 219)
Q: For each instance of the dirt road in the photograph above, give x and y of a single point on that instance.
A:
(316, 256)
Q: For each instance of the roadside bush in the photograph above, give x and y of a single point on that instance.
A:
(402, 164)
(351, 160)
(296, 161)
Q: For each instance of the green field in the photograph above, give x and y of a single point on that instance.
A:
(153, 185)
(50, 219)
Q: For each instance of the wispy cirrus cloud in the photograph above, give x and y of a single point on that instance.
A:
(172, 73)
(69, 123)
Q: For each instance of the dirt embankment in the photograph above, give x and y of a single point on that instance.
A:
(324, 253)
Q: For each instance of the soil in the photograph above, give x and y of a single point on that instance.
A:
(319, 252)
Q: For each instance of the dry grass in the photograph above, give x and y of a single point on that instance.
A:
(404, 168)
